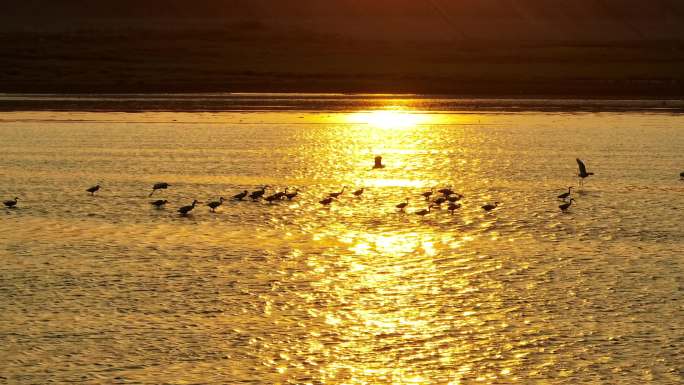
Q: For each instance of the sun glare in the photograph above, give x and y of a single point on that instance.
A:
(388, 119)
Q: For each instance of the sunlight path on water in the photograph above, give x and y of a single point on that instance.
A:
(107, 289)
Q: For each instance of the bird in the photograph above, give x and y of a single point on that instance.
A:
(241, 195)
(326, 201)
(93, 189)
(11, 203)
(256, 195)
(490, 207)
(378, 162)
(427, 194)
(564, 207)
(446, 191)
(563, 196)
(159, 186)
(337, 194)
(401, 206)
(359, 192)
(438, 202)
(186, 209)
(423, 212)
(274, 197)
(213, 205)
(291, 195)
(582, 171)
(453, 207)
(454, 197)
(681, 175)
(159, 203)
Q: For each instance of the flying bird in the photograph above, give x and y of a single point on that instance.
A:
(159, 203)
(11, 203)
(582, 171)
(93, 189)
(186, 209)
(490, 207)
(563, 196)
(159, 186)
(213, 205)
(564, 207)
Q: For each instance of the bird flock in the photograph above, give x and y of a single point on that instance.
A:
(434, 199)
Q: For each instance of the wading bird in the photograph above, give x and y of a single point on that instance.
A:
(453, 207)
(427, 194)
(327, 201)
(563, 196)
(582, 171)
(256, 195)
(11, 203)
(446, 191)
(358, 192)
(291, 195)
(490, 207)
(159, 203)
(337, 194)
(159, 186)
(213, 205)
(93, 189)
(275, 197)
(438, 202)
(564, 207)
(378, 162)
(186, 209)
(454, 197)
(424, 212)
(241, 195)
(401, 206)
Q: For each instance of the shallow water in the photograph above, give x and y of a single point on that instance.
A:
(106, 289)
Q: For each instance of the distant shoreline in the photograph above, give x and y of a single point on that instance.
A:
(217, 102)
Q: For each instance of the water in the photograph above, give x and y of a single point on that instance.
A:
(106, 289)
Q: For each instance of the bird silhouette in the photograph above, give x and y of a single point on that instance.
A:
(681, 175)
(453, 207)
(563, 196)
(327, 201)
(256, 195)
(337, 194)
(378, 162)
(93, 189)
(186, 209)
(11, 203)
(358, 192)
(446, 191)
(275, 197)
(582, 171)
(490, 207)
(565, 206)
(159, 203)
(291, 195)
(159, 186)
(401, 206)
(427, 194)
(424, 212)
(454, 197)
(438, 202)
(241, 195)
(213, 205)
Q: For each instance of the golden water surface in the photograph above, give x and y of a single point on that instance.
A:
(107, 289)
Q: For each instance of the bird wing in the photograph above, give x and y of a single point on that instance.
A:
(582, 168)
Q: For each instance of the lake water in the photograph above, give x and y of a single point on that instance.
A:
(107, 289)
